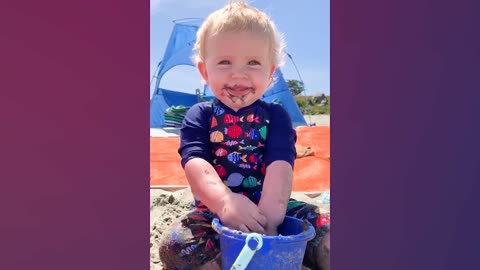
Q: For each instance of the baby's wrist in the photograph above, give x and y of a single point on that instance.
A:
(272, 207)
(223, 200)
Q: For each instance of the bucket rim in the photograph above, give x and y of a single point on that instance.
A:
(306, 235)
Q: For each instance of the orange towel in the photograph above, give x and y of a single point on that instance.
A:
(311, 172)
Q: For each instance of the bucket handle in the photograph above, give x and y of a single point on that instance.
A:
(246, 254)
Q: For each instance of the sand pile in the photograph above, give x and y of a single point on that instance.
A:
(165, 207)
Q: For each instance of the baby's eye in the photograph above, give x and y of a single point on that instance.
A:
(253, 62)
(224, 62)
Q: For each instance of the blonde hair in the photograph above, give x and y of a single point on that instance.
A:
(237, 16)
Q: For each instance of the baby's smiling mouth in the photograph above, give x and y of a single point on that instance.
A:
(237, 92)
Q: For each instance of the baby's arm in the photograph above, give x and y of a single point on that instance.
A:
(205, 183)
(234, 210)
(277, 188)
(279, 157)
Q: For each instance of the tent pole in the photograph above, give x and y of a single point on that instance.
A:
(304, 91)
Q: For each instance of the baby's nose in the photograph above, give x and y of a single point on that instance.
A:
(239, 72)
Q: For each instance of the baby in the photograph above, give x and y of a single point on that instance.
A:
(237, 151)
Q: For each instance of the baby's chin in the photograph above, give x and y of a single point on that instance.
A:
(237, 99)
(236, 102)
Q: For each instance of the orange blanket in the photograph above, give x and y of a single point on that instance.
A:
(311, 173)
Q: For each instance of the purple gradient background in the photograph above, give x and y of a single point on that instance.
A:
(74, 111)
(405, 134)
(74, 130)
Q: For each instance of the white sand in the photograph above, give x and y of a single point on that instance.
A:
(319, 120)
(165, 207)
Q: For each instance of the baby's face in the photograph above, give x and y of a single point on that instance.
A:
(238, 67)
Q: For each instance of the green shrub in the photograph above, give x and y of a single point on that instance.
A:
(312, 108)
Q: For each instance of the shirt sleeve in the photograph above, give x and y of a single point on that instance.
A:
(281, 137)
(194, 133)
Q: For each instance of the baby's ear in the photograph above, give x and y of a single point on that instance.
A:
(272, 70)
(203, 70)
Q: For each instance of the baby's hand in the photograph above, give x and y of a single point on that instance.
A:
(239, 213)
(274, 210)
(271, 231)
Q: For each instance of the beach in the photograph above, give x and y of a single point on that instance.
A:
(319, 120)
(168, 204)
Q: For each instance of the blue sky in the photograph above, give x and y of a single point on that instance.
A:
(305, 25)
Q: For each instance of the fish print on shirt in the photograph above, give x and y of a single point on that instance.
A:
(255, 158)
(216, 136)
(252, 118)
(252, 134)
(221, 152)
(231, 119)
(237, 142)
(233, 131)
(220, 170)
(263, 132)
(235, 157)
(246, 166)
(247, 147)
(214, 122)
(218, 110)
(250, 181)
(232, 143)
(234, 179)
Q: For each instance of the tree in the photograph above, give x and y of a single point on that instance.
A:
(296, 86)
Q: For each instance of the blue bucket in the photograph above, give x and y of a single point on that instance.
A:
(253, 251)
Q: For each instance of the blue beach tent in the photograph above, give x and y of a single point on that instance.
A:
(178, 52)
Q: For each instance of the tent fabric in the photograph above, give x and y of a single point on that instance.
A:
(179, 47)
(179, 52)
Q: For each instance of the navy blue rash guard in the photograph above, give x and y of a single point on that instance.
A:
(239, 145)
